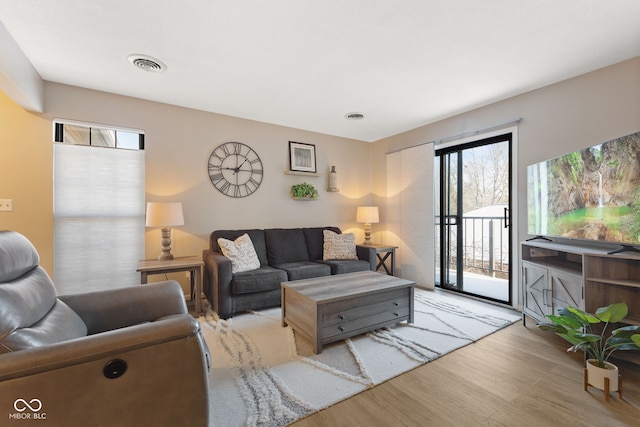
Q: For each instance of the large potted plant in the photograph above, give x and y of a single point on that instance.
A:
(578, 328)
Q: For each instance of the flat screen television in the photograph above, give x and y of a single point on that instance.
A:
(591, 194)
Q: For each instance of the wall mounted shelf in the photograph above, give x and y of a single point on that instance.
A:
(302, 173)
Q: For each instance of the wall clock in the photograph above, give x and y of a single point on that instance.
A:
(235, 169)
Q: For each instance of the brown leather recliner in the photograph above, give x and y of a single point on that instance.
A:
(124, 357)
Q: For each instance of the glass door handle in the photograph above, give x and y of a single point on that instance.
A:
(506, 217)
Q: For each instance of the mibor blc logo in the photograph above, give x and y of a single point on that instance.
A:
(28, 410)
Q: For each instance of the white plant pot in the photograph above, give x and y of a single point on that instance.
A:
(596, 375)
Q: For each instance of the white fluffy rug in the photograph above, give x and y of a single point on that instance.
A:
(265, 375)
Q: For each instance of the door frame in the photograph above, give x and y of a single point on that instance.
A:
(514, 263)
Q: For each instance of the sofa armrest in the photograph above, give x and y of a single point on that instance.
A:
(217, 282)
(121, 307)
(165, 380)
(367, 253)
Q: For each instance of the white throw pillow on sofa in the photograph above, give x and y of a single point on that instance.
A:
(241, 252)
(339, 246)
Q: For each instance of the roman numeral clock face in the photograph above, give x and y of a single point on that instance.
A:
(235, 169)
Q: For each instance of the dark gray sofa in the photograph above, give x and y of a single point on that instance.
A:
(285, 254)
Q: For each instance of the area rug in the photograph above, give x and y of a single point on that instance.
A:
(265, 375)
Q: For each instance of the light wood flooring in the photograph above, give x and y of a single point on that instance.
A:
(516, 377)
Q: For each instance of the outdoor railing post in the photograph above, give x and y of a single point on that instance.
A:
(491, 247)
(477, 247)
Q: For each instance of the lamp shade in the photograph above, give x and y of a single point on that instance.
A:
(367, 215)
(164, 214)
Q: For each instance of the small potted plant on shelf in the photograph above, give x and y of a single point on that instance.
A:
(577, 327)
(304, 191)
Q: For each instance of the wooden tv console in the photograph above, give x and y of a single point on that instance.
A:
(556, 275)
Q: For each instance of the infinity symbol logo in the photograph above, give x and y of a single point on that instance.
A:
(21, 405)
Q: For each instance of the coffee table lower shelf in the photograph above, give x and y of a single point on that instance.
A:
(328, 309)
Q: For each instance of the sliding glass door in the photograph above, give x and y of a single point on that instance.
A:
(473, 218)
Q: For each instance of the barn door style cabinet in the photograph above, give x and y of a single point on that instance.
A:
(552, 276)
(556, 275)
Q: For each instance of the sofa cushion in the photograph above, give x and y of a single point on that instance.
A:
(339, 246)
(304, 270)
(256, 301)
(256, 235)
(241, 253)
(285, 246)
(314, 237)
(346, 266)
(264, 279)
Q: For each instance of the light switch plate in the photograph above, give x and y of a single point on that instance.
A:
(6, 205)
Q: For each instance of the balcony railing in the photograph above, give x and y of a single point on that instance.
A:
(485, 246)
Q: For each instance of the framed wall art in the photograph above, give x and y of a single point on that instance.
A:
(302, 157)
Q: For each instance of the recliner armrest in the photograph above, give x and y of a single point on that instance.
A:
(121, 307)
(111, 343)
(149, 374)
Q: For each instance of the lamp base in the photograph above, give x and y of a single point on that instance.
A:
(367, 235)
(165, 245)
(165, 256)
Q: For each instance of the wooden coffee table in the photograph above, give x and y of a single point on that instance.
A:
(332, 308)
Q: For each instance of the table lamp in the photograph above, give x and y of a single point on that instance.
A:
(165, 215)
(367, 215)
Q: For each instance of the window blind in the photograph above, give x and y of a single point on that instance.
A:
(98, 217)
(410, 214)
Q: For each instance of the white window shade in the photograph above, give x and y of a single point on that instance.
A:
(410, 214)
(98, 217)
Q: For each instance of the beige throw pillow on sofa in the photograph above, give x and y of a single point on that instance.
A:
(241, 252)
(339, 246)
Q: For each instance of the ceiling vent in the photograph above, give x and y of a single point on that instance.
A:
(147, 63)
(354, 116)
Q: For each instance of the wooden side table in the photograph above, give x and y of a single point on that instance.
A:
(384, 253)
(192, 264)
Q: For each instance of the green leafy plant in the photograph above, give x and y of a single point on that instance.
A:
(576, 326)
(304, 191)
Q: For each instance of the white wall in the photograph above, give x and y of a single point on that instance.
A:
(178, 144)
(579, 112)
(556, 119)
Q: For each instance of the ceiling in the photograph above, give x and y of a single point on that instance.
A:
(307, 63)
